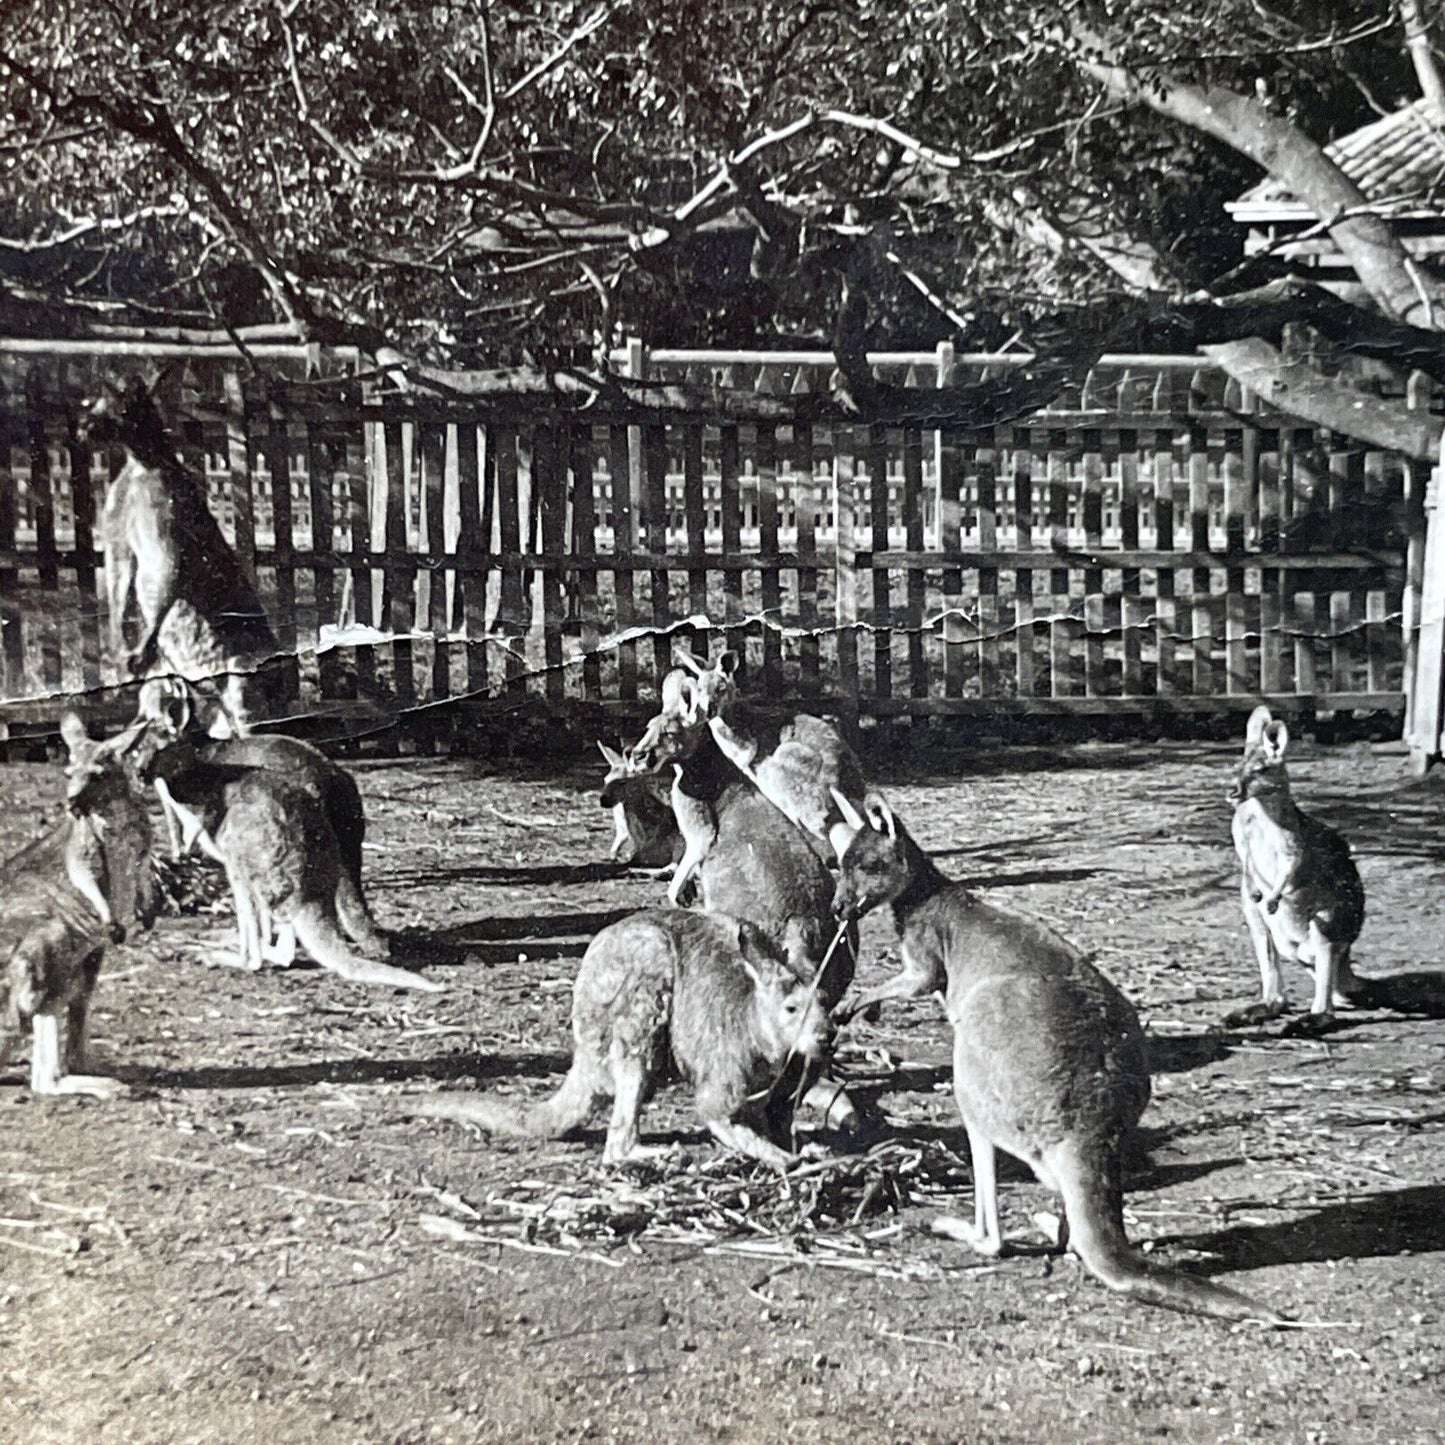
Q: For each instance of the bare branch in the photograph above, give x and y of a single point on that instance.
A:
(177, 207)
(587, 28)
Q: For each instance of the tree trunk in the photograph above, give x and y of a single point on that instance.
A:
(1422, 57)
(1291, 157)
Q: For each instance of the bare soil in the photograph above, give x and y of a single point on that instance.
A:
(246, 1248)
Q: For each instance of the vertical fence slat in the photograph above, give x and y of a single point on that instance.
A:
(882, 581)
(1061, 624)
(1166, 607)
(359, 503)
(624, 545)
(1024, 639)
(771, 578)
(954, 628)
(399, 575)
(845, 576)
(432, 447)
(1093, 508)
(986, 504)
(916, 585)
(1132, 609)
(654, 456)
(283, 550)
(551, 482)
(732, 545)
(12, 654)
(805, 509)
(42, 495)
(1201, 612)
(1271, 615)
(694, 519)
(82, 500)
(1237, 494)
(584, 551)
(511, 612)
(321, 460)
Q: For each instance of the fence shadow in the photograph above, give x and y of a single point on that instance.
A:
(345, 1071)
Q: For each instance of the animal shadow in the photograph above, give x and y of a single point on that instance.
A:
(1412, 991)
(549, 935)
(1398, 1221)
(346, 1071)
(1179, 1053)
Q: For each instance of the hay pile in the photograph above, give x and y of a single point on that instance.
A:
(829, 1208)
(191, 886)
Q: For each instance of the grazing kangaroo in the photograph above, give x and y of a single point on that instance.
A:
(199, 612)
(797, 765)
(707, 992)
(167, 711)
(746, 859)
(1301, 891)
(641, 813)
(284, 865)
(72, 891)
(1048, 1057)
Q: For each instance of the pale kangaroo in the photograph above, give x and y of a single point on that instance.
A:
(167, 709)
(646, 831)
(708, 994)
(200, 616)
(284, 865)
(1048, 1057)
(1301, 891)
(62, 899)
(745, 858)
(796, 764)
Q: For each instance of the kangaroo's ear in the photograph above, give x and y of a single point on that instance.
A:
(1259, 719)
(851, 816)
(1276, 739)
(880, 815)
(77, 740)
(727, 663)
(692, 664)
(689, 698)
(612, 759)
(672, 686)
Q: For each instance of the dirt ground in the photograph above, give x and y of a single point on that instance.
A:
(258, 1244)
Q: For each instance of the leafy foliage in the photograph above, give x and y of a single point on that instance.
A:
(473, 178)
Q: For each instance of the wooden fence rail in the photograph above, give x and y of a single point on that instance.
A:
(1162, 543)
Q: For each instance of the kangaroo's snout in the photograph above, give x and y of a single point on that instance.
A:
(846, 906)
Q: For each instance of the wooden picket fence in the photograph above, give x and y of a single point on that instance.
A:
(1155, 542)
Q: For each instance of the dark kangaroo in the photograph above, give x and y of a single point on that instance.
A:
(200, 616)
(1048, 1058)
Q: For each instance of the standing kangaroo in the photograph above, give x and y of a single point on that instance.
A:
(1048, 1057)
(1300, 889)
(199, 612)
(284, 865)
(63, 898)
(797, 765)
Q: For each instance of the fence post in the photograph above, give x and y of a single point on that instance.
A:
(845, 585)
(1422, 731)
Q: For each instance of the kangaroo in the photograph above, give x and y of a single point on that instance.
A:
(1300, 889)
(167, 712)
(641, 813)
(707, 992)
(743, 857)
(283, 862)
(65, 896)
(1048, 1057)
(199, 611)
(796, 765)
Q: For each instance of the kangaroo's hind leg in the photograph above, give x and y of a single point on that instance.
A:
(77, 1015)
(1325, 957)
(1272, 1002)
(46, 1076)
(629, 1092)
(983, 1236)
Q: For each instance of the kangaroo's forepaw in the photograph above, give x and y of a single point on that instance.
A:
(1309, 1026)
(1254, 1015)
(116, 933)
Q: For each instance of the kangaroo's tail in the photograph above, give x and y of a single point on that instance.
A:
(1093, 1206)
(356, 918)
(323, 941)
(569, 1108)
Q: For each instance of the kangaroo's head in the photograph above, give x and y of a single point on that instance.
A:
(1261, 771)
(674, 734)
(715, 688)
(641, 808)
(129, 417)
(788, 1017)
(875, 866)
(101, 794)
(165, 717)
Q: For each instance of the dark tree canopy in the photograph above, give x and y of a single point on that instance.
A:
(469, 180)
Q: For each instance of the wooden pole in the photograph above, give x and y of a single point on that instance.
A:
(1423, 725)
